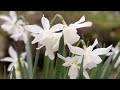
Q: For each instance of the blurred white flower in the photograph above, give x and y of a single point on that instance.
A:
(70, 32)
(91, 58)
(14, 61)
(46, 37)
(10, 22)
(74, 63)
(20, 34)
(14, 27)
(114, 52)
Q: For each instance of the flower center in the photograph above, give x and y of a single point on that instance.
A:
(74, 63)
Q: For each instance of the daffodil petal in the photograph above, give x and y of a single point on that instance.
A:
(10, 67)
(45, 22)
(73, 72)
(5, 18)
(37, 39)
(51, 55)
(23, 55)
(7, 59)
(90, 48)
(101, 51)
(33, 28)
(16, 36)
(12, 53)
(13, 15)
(85, 24)
(75, 50)
(7, 26)
(57, 27)
(82, 19)
(86, 74)
(25, 37)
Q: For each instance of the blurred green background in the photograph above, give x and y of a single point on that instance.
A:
(106, 27)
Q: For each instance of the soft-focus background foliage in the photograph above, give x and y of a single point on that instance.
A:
(106, 27)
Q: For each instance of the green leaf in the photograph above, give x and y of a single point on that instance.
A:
(105, 72)
(36, 63)
(93, 73)
(81, 69)
(58, 66)
(5, 72)
(118, 74)
(25, 70)
(13, 73)
(66, 73)
(51, 71)
(46, 67)
(21, 69)
(105, 68)
(113, 63)
(99, 70)
(29, 59)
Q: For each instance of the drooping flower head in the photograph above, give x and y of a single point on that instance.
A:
(70, 31)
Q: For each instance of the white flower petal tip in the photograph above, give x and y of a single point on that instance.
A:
(86, 74)
(96, 41)
(88, 24)
(60, 56)
(82, 19)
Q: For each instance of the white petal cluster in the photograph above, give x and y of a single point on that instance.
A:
(90, 58)
(14, 61)
(46, 36)
(14, 27)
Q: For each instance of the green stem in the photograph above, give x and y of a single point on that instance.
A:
(46, 67)
(29, 59)
(66, 73)
(51, 73)
(58, 66)
(83, 43)
(36, 62)
(58, 16)
(4, 72)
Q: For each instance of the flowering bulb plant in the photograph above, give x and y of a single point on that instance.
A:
(66, 54)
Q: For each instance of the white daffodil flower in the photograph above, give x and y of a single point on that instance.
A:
(46, 37)
(14, 61)
(10, 22)
(14, 27)
(20, 34)
(70, 32)
(91, 58)
(74, 63)
(114, 52)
